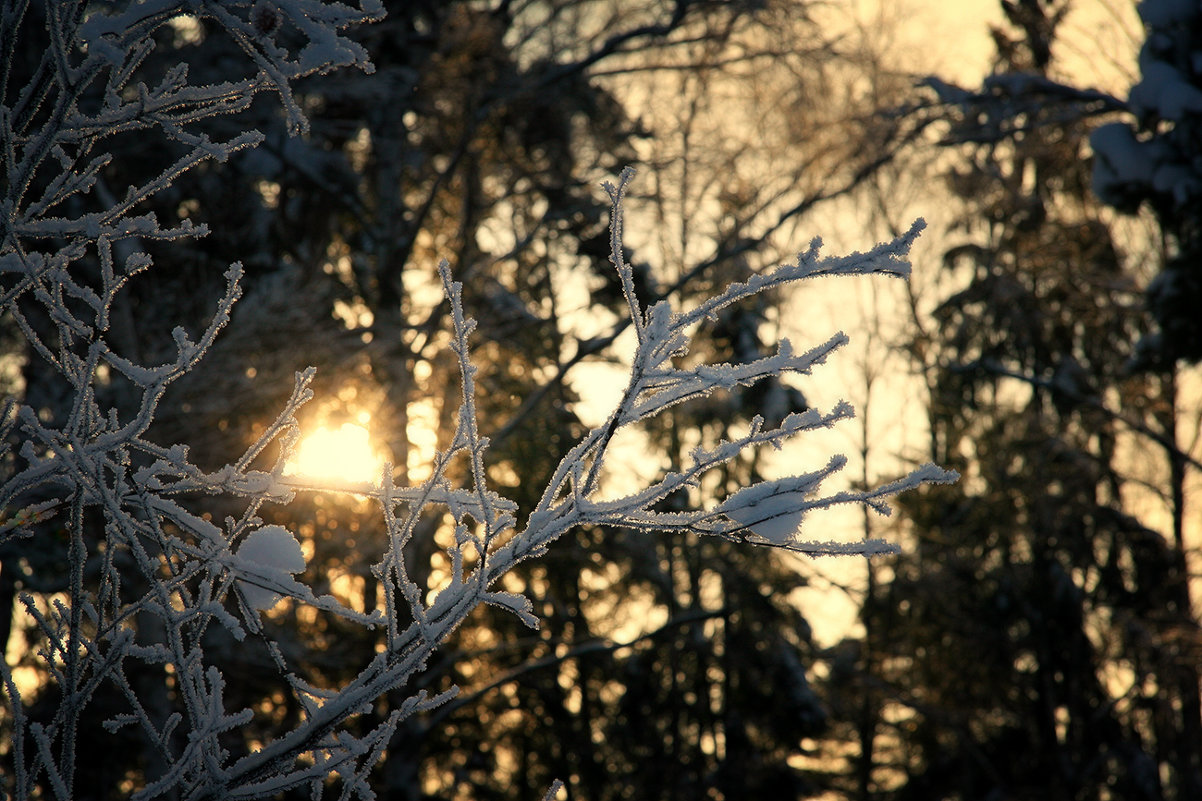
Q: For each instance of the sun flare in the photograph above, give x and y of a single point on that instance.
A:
(339, 454)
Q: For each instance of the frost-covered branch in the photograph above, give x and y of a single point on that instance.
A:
(161, 557)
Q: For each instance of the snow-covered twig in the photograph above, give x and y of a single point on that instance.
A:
(147, 549)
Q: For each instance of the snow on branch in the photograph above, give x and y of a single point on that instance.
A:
(156, 533)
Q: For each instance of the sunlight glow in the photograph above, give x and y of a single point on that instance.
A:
(340, 454)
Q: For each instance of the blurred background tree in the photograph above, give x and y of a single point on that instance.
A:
(1149, 160)
(1038, 638)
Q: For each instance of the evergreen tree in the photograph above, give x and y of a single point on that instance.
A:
(1038, 640)
(1151, 159)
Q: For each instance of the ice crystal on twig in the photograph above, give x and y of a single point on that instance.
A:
(140, 544)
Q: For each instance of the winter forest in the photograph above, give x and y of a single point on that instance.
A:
(600, 399)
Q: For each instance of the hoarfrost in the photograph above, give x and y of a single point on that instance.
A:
(139, 514)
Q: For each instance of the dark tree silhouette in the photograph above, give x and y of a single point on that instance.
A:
(1038, 639)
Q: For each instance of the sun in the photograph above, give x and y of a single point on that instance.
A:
(341, 454)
